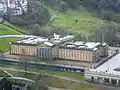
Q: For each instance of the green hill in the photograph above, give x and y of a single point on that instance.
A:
(86, 23)
(5, 30)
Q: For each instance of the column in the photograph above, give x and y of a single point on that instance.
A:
(117, 82)
(110, 81)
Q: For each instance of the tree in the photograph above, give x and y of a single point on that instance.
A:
(39, 84)
(81, 37)
(0, 52)
(90, 3)
(109, 33)
(73, 3)
(24, 61)
(38, 30)
(107, 15)
(36, 14)
(102, 4)
(35, 29)
(63, 7)
(50, 2)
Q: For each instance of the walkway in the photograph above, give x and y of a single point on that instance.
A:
(17, 36)
(53, 88)
(21, 78)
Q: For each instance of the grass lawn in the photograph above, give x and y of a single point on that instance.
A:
(61, 83)
(58, 73)
(16, 28)
(8, 29)
(5, 30)
(4, 43)
(86, 22)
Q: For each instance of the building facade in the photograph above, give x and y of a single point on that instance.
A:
(16, 7)
(27, 50)
(61, 48)
(77, 55)
(43, 48)
(83, 51)
(13, 7)
(44, 51)
(3, 7)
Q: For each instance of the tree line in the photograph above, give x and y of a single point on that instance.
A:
(105, 9)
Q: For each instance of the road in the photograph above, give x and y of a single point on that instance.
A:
(17, 36)
(61, 77)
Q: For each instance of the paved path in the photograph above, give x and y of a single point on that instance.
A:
(17, 36)
(53, 88)
(21, 78)
(8, 73)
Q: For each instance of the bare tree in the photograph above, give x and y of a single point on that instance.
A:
(39, 84)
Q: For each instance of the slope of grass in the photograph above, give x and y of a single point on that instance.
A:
(5, 30)
(4, 43)
(17, 28)
(86, 22)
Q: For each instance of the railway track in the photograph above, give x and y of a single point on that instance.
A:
(58, 67)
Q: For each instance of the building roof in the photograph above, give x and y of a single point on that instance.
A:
(83, 45)
(111, 64)
(110, 67)
(56, 39)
